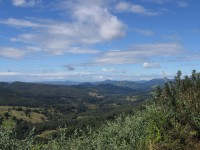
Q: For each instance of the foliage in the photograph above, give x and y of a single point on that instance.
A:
(8, 141)
(181, 101)
(169, 121)
(49, 106)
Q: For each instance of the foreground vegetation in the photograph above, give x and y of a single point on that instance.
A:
(24, 106)
(171, 120)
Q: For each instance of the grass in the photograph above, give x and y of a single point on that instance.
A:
(126, 132)
(8, 124)
(92, 106)
(170, 122)
(47, 134)
(131, 98)
(34, 117)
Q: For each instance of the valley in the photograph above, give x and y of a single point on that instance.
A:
(48, 107)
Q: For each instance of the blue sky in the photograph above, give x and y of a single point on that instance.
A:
(93, 40)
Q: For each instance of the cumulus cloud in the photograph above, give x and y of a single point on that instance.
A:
(24, 3)
(151, 65)
(134, 8)
(92, 23)
(139, 53)
(94, 17)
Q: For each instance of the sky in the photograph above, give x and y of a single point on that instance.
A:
(96, 40)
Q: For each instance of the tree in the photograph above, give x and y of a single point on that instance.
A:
(27, 112)
(6, 115)
(1, 120)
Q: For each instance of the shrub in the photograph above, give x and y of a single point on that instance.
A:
(171, 121)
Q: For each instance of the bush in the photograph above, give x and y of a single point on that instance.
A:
(181, 100)
(8, 141)
(171, 121)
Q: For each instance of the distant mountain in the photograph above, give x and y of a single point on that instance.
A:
(65, 90)
(44, 89)
(61, 82)
(87, 84)
(4, 84)
(125, 83)
(78, 88)
(135, 84)
(112, 89)
(129, 84)
(37, 94)
(141, 81)
(140, 86)
(154, 82)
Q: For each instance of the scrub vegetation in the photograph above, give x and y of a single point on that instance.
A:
(168, 121)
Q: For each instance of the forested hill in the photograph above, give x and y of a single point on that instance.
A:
(38, 94)
(50, 106)
(105, 87)
(170, 120)
(125, 83)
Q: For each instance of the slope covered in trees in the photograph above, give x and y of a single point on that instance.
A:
(48, 107)
(171, 120)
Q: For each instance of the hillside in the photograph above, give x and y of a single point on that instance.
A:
(169, 121)
(130, 84)
(48, 107)
(136, 84)
(37, 94)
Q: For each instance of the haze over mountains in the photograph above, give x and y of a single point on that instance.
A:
(69, 87)
(76, 104)
(123, 83)
(34, 94)
(64, 88)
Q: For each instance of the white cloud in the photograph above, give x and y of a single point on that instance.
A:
(182, 4)
(139, 53)
(32, 76)
(144, 32)
(10, 52)
(134, 8)
(112, 70)
(24, 3)
(122, 6)
(151, 65)
(108, 69)
(95, 18)
(18, 53)
(18, 2)
(42, 75)
(179, 3)
(20, 23)
(91, 23)
(8, 73)
(58, 75)
(157, 1)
